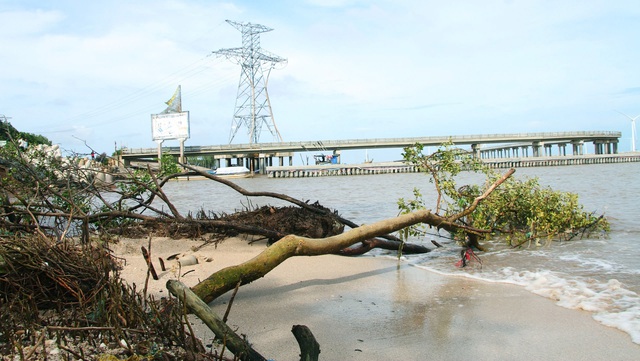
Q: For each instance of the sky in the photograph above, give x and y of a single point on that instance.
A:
(89, 74)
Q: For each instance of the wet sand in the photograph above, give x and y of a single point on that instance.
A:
(369, 308)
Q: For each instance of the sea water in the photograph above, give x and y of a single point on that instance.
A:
(600, 274)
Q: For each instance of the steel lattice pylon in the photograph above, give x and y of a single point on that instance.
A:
(253, 108)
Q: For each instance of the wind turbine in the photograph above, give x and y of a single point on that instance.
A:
(633, 130)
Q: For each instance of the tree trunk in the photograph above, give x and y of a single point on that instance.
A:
(226, 279)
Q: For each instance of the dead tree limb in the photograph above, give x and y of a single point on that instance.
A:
(147, 258)
(309, 347)
(283, 197)
(160, 193)
(369, 244)
(236, 344)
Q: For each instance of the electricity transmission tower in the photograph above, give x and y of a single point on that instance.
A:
(253, 107)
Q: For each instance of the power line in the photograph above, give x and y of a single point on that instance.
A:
(175, 77)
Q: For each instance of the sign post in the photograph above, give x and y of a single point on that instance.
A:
(181, 159)
(159, 152)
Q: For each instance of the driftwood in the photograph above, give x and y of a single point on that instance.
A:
(236, 344)
(125, 216)
(309, 347)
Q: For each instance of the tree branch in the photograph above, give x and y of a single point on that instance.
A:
(484, 195)
(226, 279)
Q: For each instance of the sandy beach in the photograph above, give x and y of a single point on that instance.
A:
(376, 308)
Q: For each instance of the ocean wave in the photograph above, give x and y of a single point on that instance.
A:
(610, 302)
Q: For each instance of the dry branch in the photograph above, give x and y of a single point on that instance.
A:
(280, 196)
(369, 244)
(147, 258)
(236, 344)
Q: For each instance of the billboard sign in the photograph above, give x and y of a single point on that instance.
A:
(170, 126)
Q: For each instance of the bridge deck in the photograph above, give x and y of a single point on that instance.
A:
(330, 145)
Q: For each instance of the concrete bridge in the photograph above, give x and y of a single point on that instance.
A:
(261, 155)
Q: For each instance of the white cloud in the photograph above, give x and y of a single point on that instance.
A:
(20, 23)
(354, 68)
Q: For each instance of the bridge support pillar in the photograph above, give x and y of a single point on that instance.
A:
(475, 151)
(536, 148)
(601, 147)
(578, 147)
(262, 163)
(607, 147)
(516, 152)
(562, 149)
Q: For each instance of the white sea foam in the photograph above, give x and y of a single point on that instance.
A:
(594, 264)
(610, 302)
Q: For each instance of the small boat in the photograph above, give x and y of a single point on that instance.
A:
(236, 171)
(325, 159)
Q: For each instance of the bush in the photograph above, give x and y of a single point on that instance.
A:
(519, 210)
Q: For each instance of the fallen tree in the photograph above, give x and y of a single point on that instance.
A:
(293, 245)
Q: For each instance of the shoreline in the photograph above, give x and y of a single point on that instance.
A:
(374, 308)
